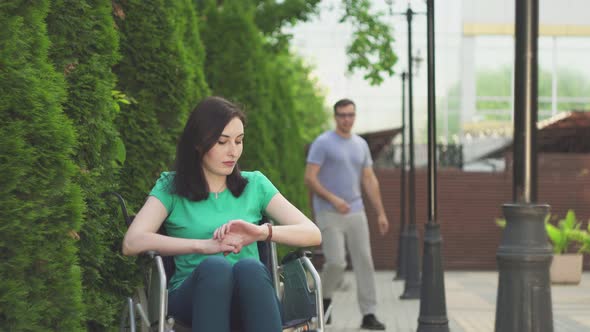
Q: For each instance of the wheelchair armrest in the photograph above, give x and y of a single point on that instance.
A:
(293, 255)
(167, 262)
(150, 254)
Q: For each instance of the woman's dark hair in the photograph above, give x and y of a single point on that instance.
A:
(203, 129)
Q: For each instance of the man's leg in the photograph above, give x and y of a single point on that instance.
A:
(359, 247)
(204, 298)
(334, 251)
(256, 298)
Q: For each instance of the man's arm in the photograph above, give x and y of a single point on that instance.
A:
(371, 187)
(311, 180)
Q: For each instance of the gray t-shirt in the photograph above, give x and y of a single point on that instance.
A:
(341, 163)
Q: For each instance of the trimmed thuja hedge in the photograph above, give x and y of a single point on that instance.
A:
(66, 140)
(160, 69)
(298, 117)
(40, 205)
(285, 111)
(237, 68)
(85, 47)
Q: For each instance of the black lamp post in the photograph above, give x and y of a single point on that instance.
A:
(403, 234)
(433, 312)
(409, 261)
(524, 255)
(412, 263)
(401, 247)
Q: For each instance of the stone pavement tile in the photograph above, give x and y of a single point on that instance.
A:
(453, 284)
(467, 300)
(474, 321)
(565, 324)
(470, 301)
(582, 319)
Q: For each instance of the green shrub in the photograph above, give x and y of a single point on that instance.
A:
(40, 288)
(561, 236)
(569, 233)
(161, 69)
(296, 104)
(237, 68)
(85, 47)
(284, 108)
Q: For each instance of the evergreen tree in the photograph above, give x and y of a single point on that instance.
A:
(237, 68)
(371, 46)
(310, 104)
(40, 288)
(299, 116)
(84, 48)
(285, 111)
(160, 69)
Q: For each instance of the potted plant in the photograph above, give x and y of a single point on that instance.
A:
(566, 267)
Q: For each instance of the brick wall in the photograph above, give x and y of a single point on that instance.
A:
(469, 203)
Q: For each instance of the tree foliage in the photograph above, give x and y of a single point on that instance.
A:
(371, 49)
(372, 45)
(238, 69)
(85, 47)
(161, 70)
(93, 95)
(284, 108)
(40, 204)
(272, 16)
(300, 115)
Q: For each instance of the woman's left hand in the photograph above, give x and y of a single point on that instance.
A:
(239, 233)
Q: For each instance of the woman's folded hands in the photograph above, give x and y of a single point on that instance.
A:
(236, 234)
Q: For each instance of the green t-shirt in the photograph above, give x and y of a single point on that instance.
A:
(198, 220)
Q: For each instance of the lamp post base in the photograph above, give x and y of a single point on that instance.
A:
(433, 308)
(524, 256)
(401, 256)
(412, 285)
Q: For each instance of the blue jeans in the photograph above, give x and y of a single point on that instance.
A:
(220, 297)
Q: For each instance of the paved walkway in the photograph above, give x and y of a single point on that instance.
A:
(471, 304)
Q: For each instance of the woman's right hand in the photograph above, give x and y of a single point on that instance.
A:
(212, 246)
(238, 233)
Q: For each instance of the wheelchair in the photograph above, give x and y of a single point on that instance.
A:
(296, 282)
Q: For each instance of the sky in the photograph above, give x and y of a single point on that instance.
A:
(322, 42)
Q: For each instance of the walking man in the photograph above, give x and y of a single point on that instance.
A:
(338, 163)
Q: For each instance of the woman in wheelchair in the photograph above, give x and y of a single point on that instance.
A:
(210, 211)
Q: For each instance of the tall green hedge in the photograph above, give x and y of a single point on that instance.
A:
(237, 68)
(40, 205)
(161, 70)
(85, 47)
(313, 115)
(299, 116)
(285, 110)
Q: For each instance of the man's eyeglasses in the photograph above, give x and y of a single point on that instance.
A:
(345, 115)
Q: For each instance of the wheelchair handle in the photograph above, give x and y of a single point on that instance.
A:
(128, 219)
